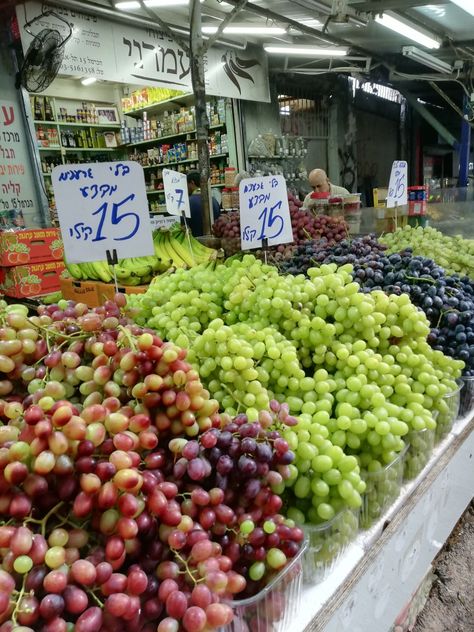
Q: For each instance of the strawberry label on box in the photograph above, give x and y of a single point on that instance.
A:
(30, 246)
(31, 280)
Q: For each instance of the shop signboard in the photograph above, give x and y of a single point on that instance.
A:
(398, 186)
(176, 193)
(17, 197)
(130, 54)
(103, 211)
(264, 212)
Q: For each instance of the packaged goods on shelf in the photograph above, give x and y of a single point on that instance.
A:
(30, 246)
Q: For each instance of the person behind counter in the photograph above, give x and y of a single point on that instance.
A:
(195, 204)
(319, 182)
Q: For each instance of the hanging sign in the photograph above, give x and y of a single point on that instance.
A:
(104, 49)
(176, 193)
(398, 187)
(103, 211)
(264, 212)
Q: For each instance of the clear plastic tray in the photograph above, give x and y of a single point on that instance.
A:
(421, 444)
(467, 396)
(327, 542)
(449, 413)
(383, 488)
(275, 607)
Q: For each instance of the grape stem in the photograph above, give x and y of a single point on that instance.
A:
(44, 521)
(19, 599)
(233, 395)
(186, 567)
(94, 597)
(128, 337)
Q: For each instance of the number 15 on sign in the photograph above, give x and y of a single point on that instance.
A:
(264, 212)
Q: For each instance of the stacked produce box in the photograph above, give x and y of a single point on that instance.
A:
(31, 262)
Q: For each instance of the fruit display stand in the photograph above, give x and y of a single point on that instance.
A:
(380, 571)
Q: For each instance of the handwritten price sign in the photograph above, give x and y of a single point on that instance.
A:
(398, 187)
(102, 206)
(264, 212)
(176, 193)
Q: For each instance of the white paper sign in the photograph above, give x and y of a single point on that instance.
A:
(264, 212)
(176, 193)
(162, 222)
(102, 206)
(398, 187)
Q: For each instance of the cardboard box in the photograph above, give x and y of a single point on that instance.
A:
(34, 279)
(107, 290)
(390, 224)
(95, 293)
(80, 291)
(30, 246)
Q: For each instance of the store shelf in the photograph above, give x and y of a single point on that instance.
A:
(382, 569)
(152, 141)
(96, 149)
(165, 165)
(63, 124)
(54, 148)
(180, 101)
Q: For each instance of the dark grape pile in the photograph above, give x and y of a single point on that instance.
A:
(128, 503)
(447, 300)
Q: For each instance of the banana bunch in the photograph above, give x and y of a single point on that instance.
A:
(132, 271)
(174, 248)
(181, 248)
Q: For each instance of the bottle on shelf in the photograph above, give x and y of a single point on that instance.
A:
(39, 116)
(48, 110)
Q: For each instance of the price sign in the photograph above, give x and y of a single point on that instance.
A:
(264, 212)
(162, 222)
(398, 187)
(102, 207)
(176, 193)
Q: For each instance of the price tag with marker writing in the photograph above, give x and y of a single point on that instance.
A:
(264, 212)
(102, 209)
(398, 186)
(176, 193)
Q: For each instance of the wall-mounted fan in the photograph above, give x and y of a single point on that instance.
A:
(44, 55)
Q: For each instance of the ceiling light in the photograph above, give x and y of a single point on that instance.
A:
(425, 58)
(128, 4)
(465, 5)
(152, 4)
(396, 24)
(306, 51)
(88, 81)
(246, 30)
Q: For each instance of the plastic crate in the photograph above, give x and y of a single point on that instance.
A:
(327, 542)
(421, 444)
(467, 396)
(448, 414)
(383, 488)
(276, 606)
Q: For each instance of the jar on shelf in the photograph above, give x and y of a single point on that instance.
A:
(235, 198)
(229, 177)
(226, 198)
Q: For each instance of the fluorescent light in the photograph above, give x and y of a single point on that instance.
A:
(395, 24)
(306, 51)
(127, 4)
(246, 30)
(152, 4)
(465, 5)
(88, 81)
(425, 58)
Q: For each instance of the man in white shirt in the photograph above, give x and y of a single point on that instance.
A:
(319, 182)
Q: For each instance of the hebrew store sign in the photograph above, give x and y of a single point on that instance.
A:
(129, 54)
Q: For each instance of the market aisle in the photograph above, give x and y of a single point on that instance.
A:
(451, 602)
